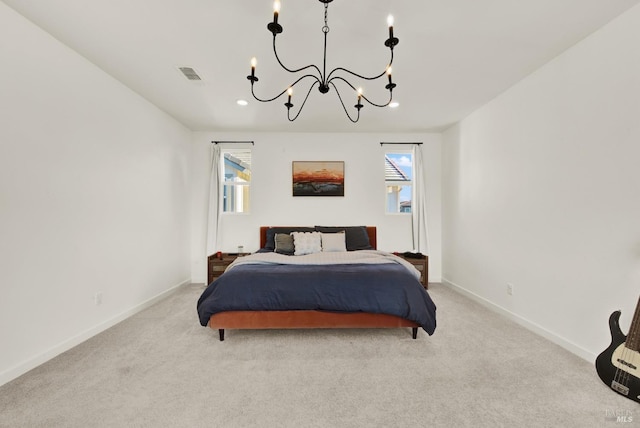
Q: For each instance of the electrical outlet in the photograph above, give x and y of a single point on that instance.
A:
(97, 298)
(510, 289)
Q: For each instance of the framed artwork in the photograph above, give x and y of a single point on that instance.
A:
(312, 178)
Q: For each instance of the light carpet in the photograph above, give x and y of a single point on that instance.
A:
(160, 368)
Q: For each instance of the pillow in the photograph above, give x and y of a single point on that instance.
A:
(357, 237)
(306, 243)
(284, 244)
(334, 242)
(270, 243)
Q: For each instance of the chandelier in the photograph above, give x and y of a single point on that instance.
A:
(320, 78)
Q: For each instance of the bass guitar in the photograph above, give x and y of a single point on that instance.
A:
(619, 365)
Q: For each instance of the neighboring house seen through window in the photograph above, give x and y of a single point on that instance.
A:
(398, 172)
(237, 180)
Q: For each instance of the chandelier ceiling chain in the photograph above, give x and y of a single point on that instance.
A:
(323, 80)
(325, 29)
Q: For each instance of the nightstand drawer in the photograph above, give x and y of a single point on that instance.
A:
(216, 266)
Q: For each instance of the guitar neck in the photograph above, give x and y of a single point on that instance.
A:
(633, 338)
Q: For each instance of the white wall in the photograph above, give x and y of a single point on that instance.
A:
(272, 203)
(93, 197)
(541, 189)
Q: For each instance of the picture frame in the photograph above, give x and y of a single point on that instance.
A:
(317, 178)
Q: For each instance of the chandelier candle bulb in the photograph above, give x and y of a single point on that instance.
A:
(359, 105)
(390, 23)
(391, 85)
(288, 104)
(254, 62)
(276, 11)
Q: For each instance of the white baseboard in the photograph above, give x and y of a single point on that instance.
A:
(20, 369)
(529, 325)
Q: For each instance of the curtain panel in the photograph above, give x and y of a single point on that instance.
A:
(215, 202)
(418, 209)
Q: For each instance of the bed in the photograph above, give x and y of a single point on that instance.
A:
(358, 288)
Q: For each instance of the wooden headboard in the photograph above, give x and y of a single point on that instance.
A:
(371, 231)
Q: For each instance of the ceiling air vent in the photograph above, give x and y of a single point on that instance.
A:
(190, 73)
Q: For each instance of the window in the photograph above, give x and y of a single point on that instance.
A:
(398, 175)
(237, 180)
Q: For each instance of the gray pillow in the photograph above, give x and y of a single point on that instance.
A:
(284, 244)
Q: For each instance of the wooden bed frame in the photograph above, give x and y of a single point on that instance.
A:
(306, 319)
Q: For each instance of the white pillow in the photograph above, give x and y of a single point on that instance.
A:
(334, 242)
(306, 243)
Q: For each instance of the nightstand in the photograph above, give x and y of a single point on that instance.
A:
(217, 266)
(422, 265)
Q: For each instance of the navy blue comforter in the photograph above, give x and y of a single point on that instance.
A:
(384, 289)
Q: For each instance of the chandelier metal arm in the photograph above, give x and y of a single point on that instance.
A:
(379, 105)
(266, 100)
(286, 89)
(362, 95)
(342, 102)
(302, 105)
(329, 78)
(275, 52)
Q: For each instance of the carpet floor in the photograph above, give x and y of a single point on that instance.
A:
(160, 368)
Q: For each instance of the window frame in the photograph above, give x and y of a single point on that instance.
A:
(243, 187)
(409, 183)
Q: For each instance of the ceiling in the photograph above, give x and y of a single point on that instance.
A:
(453, 57)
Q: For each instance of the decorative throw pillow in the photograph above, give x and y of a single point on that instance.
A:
(306, 243)
(270, 244)
(357, 236)
(284, 244)
(334, 242)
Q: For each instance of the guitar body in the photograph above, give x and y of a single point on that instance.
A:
(618, 366)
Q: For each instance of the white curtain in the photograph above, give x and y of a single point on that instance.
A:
(215, 201)
(418, 205)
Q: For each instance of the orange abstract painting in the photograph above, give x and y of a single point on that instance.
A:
(312, 178)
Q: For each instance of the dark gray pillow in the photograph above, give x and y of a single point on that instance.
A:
(356, 236)
(284, 244)
(270, 245)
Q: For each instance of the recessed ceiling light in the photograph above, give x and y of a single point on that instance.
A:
(394, 104)
(242, 102)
